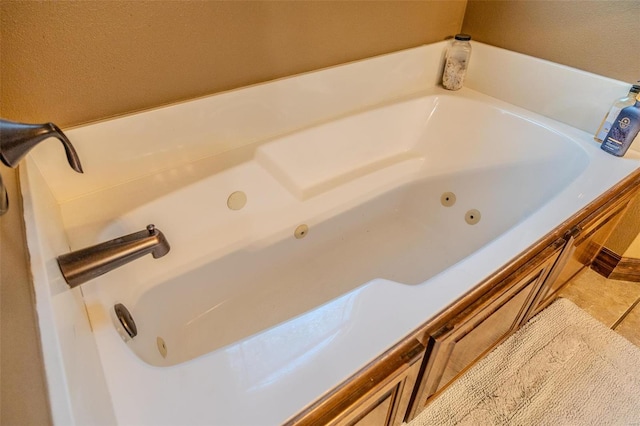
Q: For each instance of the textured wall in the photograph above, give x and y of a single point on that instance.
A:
(597, 36)
(73, 62)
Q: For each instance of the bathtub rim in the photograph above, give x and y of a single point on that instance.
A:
(592, 150)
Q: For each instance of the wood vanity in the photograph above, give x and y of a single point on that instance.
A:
(402, 382)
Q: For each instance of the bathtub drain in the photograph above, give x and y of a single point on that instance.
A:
(125, 318)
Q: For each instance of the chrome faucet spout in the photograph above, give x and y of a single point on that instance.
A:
(85, 264)
(17, 139)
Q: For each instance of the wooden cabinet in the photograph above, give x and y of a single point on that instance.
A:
(388, 405)
(584, 241)
(379, 396)
(469, 335)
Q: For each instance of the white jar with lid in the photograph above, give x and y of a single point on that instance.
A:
(456, 62)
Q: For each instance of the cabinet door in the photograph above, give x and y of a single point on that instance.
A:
(469, 336)
(590, 236)
(388, 405)
(378, 396)
(540, 301)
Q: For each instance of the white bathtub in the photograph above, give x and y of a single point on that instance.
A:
(369, 189)
(258, 323)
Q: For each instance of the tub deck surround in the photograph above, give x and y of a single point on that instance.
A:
(378, 215)
(257, 323)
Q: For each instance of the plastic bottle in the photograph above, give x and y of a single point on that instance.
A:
(456, 62)
(617, 106)
(624, 130)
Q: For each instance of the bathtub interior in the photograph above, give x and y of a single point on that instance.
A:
(368, 186)
(406, 235)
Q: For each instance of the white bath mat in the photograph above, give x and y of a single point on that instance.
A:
(562, 368)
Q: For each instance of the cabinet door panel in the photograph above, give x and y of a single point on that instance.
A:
(586, 246)
(478, 337)
(386, 404)
(378, 414)
(485, 335)
(539, 301)
(475, 331)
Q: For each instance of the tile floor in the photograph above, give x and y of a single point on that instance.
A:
(614, 303)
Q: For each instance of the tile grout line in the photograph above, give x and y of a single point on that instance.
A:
(624, 315)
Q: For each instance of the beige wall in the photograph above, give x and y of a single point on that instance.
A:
(73, 62)
(598, 36)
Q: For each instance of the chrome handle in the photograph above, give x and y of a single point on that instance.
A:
(17, 139)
